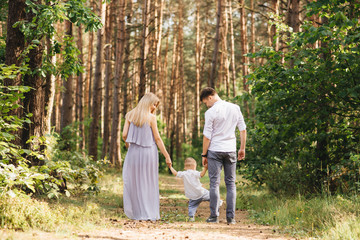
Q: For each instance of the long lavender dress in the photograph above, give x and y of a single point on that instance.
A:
(141, 175)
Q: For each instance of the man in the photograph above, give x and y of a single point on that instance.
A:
(219, 149)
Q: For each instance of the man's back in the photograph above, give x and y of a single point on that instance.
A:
(221, 121)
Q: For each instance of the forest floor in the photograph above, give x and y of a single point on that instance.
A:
(173, 224)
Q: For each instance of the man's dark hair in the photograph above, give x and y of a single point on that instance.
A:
(208, 91)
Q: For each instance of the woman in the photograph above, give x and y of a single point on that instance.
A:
(140, 172)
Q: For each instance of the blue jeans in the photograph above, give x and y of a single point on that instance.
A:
(194, 204)
(216, 160)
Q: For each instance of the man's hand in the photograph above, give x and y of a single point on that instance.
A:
(204, 161)
(241, 155)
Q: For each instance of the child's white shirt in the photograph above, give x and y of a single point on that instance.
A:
(192, 184)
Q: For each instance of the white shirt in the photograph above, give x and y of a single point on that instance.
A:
(221, 121)
(192, 184)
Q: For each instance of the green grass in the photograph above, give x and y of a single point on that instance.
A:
(316, 216)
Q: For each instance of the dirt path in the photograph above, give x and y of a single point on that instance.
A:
(173, 224)
(176, 227)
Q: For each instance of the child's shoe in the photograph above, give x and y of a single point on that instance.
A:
(191, 219)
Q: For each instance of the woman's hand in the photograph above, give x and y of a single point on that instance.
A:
(168, 161)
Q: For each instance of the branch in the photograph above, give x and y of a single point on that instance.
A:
(252, 10)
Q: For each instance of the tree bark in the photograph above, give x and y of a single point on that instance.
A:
(15, 45)
(49, 91)
(34, 100)
(275, 6)
(96, 99)
(144, 49)
(216, 46)
(172, 104)
(233, 69)
(244, 48)
(164, 86)
(196, 126)
(294, 15)
(80, 92)
(226, 63)
(253, 45)
(115, 156)
(158, 45)
(67, 97)
(107, 58)
(126, 77)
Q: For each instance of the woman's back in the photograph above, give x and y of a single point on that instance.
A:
(141, 136)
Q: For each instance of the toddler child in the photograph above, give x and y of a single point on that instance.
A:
(192, 185)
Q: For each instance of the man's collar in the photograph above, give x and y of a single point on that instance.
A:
(218, 101)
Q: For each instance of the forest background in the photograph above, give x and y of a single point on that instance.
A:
(71, 70)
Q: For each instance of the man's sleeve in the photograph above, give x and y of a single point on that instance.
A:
(208, 127)
(241, 122)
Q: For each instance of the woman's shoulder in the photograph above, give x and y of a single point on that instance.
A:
(152, 118)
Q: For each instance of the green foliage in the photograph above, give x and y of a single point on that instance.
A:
(71, 163)
(3, 10)
(61, 166)
(307, 112)
(10, 123)
(42, 25)
(2, 49)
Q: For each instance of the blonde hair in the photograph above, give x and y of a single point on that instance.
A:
(189, 162)
(141, 113)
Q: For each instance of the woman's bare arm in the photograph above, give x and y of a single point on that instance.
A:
(158, 140)
(125, 132)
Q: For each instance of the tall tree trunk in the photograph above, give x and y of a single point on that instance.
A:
(80, 92)
(158, 45)
(115, 156)
(216, 46)
(164, 81)
(233, 69)
(244, 49)
(196, 126)
(89, 71)
(181, 84)
(275, 6)
(153, 40)
(89, 75)
(172, 97)
(67, 97)
(107, 57)
(96, 99)
(49, 90)
(15, 44)
(34, 100)
(144, 48)
(126, 77)
(294, 14)
(253, 48)
(226, 63)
